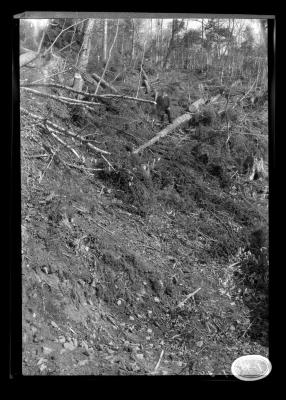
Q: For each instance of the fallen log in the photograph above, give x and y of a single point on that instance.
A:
(94, 96)
(103, 82)
(194, 107)
(178, 121)
(28, 57)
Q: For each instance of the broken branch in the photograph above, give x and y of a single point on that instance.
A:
(62, 130)
(61, 99)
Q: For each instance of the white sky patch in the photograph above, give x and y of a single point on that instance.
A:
(38, 25)
(195, 23)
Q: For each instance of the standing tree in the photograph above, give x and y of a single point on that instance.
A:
(177, 25)
(84, 54)
(104, 40)
(108, 60)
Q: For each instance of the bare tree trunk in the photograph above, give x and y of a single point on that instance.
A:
(104, 54)
(86, 46)
(161, 42)
(109, 56)
(263, 28)
(84, 55)
(171, 45)
(141, 69)
(122, 43)
(133, 42)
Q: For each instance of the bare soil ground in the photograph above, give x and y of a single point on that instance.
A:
(106, 262)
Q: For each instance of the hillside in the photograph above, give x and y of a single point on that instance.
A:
(114, 244)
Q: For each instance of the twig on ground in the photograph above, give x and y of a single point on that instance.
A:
(181, 304)
(244, 333)
(52, 132)
(110, 165)
(47, 167)
(158, 363)
(234, 264)
(38, 155)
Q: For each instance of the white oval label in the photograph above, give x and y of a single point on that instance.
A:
(251, 367)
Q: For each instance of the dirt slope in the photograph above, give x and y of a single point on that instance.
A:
(102, 284)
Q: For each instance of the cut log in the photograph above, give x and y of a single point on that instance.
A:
(194, 107)
(178, 121)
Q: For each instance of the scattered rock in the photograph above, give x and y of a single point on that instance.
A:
(69, 346)
(54, 325)
(47, 350)
(62, 339)
(33, 329)
(42, 367)
(156, 299)
(45, 269)
(149, 330)
(42, 360)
